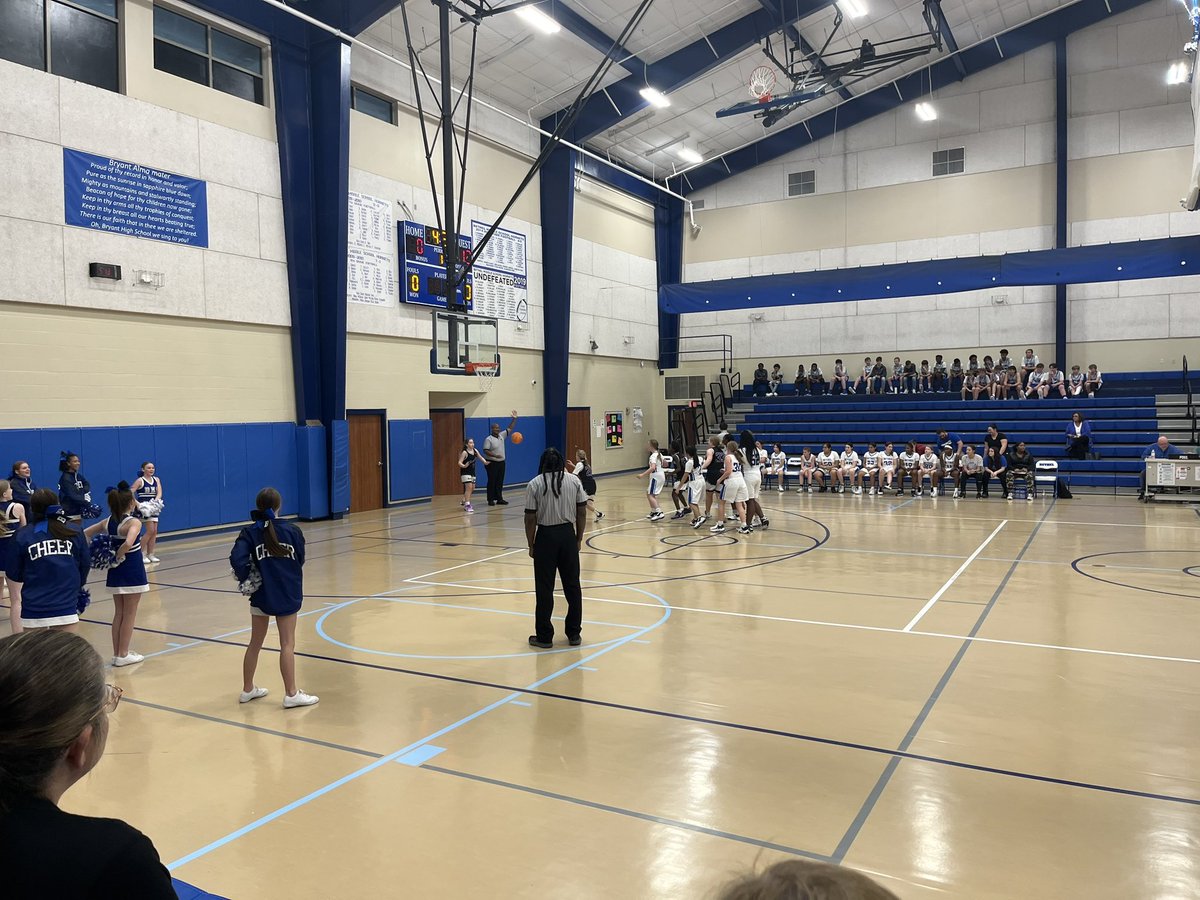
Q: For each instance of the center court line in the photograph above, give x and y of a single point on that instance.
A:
(953, 578)
(391, 757)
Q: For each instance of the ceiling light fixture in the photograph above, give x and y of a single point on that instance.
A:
(925, 111)
(655, 98)
(535, 18)
(854, 9)
(1177, 73)
(688, 155)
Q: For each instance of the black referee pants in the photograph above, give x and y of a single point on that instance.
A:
(495, 485)
(555, 550)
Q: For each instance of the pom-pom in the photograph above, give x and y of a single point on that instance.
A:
(252, 582)
(82, 601)
(91, 511)
(104, 551)
(148, 509)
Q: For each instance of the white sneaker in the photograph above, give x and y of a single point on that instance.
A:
(781, 490)
(731, 518)
(858, 490)
(718, 528)
(700, 521)
(810, 488)
(871, 492)
(933, 492)
(130, 659)
(246, 697)
(155, 559)
(300, 699)
(957, 493)
(145, 559)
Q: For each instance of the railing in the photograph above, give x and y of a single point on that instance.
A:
(708, 345)
(689, 426)
(1191, 410)
(715, 398)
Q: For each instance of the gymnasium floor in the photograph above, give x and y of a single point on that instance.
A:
(735, 701)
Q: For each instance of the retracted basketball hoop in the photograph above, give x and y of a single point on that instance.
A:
(485, 372)
(762, 82)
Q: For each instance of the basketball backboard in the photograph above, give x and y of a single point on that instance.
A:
(460, 340)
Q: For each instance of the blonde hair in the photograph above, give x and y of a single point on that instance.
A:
(51, 689)
(800, 879)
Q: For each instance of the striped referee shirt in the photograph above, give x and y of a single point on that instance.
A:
(552, 510)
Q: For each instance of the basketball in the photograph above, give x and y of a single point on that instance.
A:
(517, 437)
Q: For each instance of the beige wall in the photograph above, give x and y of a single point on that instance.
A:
(616, 220)
(612, 385)
(140, 371)
(1132, 184)
(144, 82)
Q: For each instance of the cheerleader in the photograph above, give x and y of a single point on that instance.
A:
(276, 550)
(583, 471)
(887, 467)
(467, 459)
(12, 520)
(22, 484)
(733, 489)
(146, 489)
(752, 475)
(127, 578)
(49, 566)
(779, 466)
(74, 491)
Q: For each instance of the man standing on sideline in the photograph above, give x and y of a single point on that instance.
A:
(555, 518)
(493, 452)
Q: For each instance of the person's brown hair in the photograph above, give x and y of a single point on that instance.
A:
(51, 689)
(40, 503)
(269, 501)
(801, 879)
(120, 499)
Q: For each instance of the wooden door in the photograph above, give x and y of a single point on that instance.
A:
(579, 432)
(448, 430)
(366, 461)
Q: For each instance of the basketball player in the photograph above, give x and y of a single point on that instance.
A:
(675, 474)
(583, 471)
(829, 469)
(714, 467)
(779, 466)
(733, 489)
(466, 465)
(1053, 383)
(752, 475)
(950, 461)
(850, 470)
(808, 471)
(1075, 382)
(654, 488)
(147, 487)
(887, 467)
(907, 468)
(1033, 382)
(871, 468)
(693, 484)
(928, 466)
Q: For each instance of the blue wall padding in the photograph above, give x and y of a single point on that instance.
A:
(1073, 265)
(410, 459)
(339, 447)
(210, 472)
(522, 458)
(312, 496)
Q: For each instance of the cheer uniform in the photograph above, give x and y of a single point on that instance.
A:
(75, 494)
(9, 523)
(51, 572)
(130, 576)
(147, 492)
(22, 489)
(282, 590)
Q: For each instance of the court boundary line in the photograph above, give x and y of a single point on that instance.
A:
(953, 578)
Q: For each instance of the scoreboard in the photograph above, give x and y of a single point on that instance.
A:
(423, 265)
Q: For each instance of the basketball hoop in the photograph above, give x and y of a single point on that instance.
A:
(485, 372)
(762, 82)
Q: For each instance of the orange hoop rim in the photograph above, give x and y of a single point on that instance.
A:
(474, 368)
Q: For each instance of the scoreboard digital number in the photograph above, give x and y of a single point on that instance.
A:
(424, 266)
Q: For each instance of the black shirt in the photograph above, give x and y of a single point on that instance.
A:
(760, 375)
(993, 443)
(45, 852)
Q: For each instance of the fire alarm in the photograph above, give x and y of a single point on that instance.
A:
(104, 270)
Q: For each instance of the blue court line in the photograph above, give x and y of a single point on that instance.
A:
(521, 703)
(421, 755)
(639, 642)
(391, 757)
(248, 727)
(905, 503)
(633, 814)
(885, 777)
(588, 669)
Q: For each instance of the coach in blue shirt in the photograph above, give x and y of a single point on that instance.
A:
(1160, 449)
(949, 439)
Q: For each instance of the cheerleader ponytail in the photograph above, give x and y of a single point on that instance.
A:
(120, 499)
(267, 504)
(44, 506)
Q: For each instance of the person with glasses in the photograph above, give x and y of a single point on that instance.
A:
(54, 706)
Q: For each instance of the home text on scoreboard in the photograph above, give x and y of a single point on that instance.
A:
(424, 266)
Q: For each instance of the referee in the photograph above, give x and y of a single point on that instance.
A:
(555, 517)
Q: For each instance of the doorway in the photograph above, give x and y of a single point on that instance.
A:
(579, 432)
(366, 460)
(448, 430)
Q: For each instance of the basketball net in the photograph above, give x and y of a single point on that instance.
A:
(485, 373)
(762, 82)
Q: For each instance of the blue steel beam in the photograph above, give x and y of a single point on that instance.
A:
(1063, 21)
(594, 37)
(948, 38)
(794, 35)
(682, 67)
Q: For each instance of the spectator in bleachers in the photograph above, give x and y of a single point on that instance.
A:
(897, 375)
(910, 377)
(816, 380)
(972, 362)
(1004, 361)
(800, 879)
(879, 377)
(975, 383)
(840, 378)
(926, 376)
(1028, 365)
(1020, 465)
(970, 468)
(1053, 383)
(1079, 437)
(994, 466)
(983, 385)
(1012, 384)
(999, 376)
(956, 374)
(989, 365)
(801, 380)
(864, 380)
(1075, 382)
(1160, 449)
(941, 378)
(776, 380)
(762, 381)
(1033, 382)
(1093, 382)
(995, 439)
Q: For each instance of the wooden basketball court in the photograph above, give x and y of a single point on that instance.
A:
(962, 698)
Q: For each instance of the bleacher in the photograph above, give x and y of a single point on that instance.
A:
(1124, 421)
